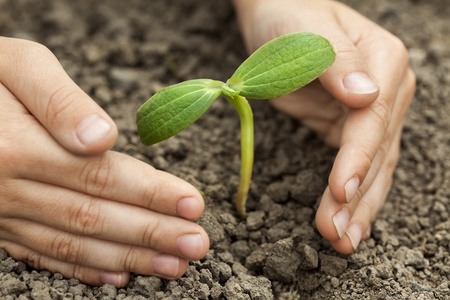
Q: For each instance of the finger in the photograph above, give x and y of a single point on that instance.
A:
(116, 176)
(34, 75)
(349, 79)
(368, 132)
(364, 211)
(112, 175)
(84, 215)
(92, 253)
(333, 216)
(86, 275)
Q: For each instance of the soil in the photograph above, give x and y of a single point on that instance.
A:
(121, 52)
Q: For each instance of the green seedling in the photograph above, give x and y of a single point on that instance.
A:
(279, 67)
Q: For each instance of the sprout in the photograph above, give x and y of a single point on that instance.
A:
(279, 67)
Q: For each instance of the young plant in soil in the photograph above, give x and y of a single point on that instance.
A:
(279, 67)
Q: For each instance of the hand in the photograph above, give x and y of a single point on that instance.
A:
(69, 205)
(358, 105)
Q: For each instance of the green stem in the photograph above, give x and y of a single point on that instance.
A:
(246, 118)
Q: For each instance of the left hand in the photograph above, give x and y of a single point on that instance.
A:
(70, 205)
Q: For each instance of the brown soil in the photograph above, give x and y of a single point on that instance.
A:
(121, 52)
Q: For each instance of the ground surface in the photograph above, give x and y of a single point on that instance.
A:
(121, 52)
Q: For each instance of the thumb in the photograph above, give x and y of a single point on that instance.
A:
(349, 79)
(34, 75)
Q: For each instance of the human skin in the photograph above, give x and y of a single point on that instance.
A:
(64, 194)
(70, 205)
(358, 105)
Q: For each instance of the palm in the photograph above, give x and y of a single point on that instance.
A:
(317, 109)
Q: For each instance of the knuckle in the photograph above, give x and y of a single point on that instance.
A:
(346, 55)
(383, 149)
(399, 47)
(66, 248)
(8, 157)
(29, 51)
(382, 110)
(37, 49)
(149, 197)
(87, 218)
(11, 200)
(397, 51)
(151, 194)
(149, 234)
(389, 182)
(366, 209)
(58, 98)
(394, 50)
(96, 176)
(130, 260)
(24, 52)
(410, 83)
(61, 99)
(11, 151)
(411, 78)
(34, 259)
(392, 160)
(78, 272)
(366, 157)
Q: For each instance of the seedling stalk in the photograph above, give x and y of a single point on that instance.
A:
(247, 149)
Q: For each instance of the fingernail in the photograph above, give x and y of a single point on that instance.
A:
(165, 265)
(359, 83)
(187, 208)
(340, 220)
(354, 232)
(350, 188)
(190, 246)
(92, 129)
(112, 278)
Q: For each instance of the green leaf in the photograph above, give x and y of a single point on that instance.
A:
(282, 65)
(173, 108)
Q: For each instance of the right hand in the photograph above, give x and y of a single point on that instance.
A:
(67, 203)
(358, 105)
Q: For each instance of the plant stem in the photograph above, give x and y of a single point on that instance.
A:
(246, 118)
